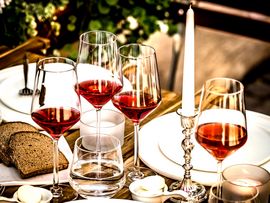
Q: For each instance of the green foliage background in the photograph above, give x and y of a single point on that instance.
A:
(63, 21)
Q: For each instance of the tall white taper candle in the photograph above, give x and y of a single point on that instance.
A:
(188, 70)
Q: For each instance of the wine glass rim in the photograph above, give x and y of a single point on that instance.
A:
(50, 60)
(153, 51)
(112, 35)
(239, 90)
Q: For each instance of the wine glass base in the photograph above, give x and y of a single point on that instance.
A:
(196, 192)
(66, 193)
(137, 173)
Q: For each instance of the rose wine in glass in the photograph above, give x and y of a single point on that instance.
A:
(140, 95)
(221, 125)
(99, 76)
(57, 108)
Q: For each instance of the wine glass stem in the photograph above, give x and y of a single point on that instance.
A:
(98, 144)
(219, 170)
(56, 190)
(136, 145)
(98, 117)
(219, 173)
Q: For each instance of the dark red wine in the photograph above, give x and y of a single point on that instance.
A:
(221, 139)
(133, 107)
(56, 121)
(98, 92)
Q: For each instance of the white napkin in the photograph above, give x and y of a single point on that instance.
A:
(10, 176)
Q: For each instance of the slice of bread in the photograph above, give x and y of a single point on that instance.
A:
(32, 154)
(6, 130)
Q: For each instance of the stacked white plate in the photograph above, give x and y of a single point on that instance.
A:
(160, 148)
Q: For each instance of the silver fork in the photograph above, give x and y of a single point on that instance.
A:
(2, 189)
(25, 91)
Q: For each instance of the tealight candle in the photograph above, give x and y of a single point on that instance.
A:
(111, 123)
(188, 70)
(250, 175)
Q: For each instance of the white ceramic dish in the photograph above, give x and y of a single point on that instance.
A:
(46, 195)
(153, 189)
(8, 113)
(154, 152)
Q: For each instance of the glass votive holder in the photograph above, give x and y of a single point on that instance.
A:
(97, 170)
(111, 123)
(226, 191)
(250, 175)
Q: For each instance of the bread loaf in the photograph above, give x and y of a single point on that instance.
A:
(6, 130)
(32, 154)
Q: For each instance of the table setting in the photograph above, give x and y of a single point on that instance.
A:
(169, 145)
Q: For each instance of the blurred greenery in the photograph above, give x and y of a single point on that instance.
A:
(62, 21)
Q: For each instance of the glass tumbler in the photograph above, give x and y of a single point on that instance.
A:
(97, 171)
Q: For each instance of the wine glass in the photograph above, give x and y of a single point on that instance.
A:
(221, 125)
(57, 108)
(99, 76)
(140, 95)
(229, 192)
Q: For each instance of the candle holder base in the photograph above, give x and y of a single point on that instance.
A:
(196, 192)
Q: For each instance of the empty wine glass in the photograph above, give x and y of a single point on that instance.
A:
(227, 192)
(57, 108)
(140, 95)
(221, 125)
(99, 76)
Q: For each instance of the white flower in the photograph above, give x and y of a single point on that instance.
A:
(3, 4)
(33, 24)
(133, 23)
(122, 38)
(163, 27)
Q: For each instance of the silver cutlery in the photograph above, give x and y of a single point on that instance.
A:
(25, 91)
(2, 189)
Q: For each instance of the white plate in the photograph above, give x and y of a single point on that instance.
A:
(10, 87)
(103, 200)
(162, 128)
(10, 113)
(10, 176)
(170, 146)
(17, 108)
